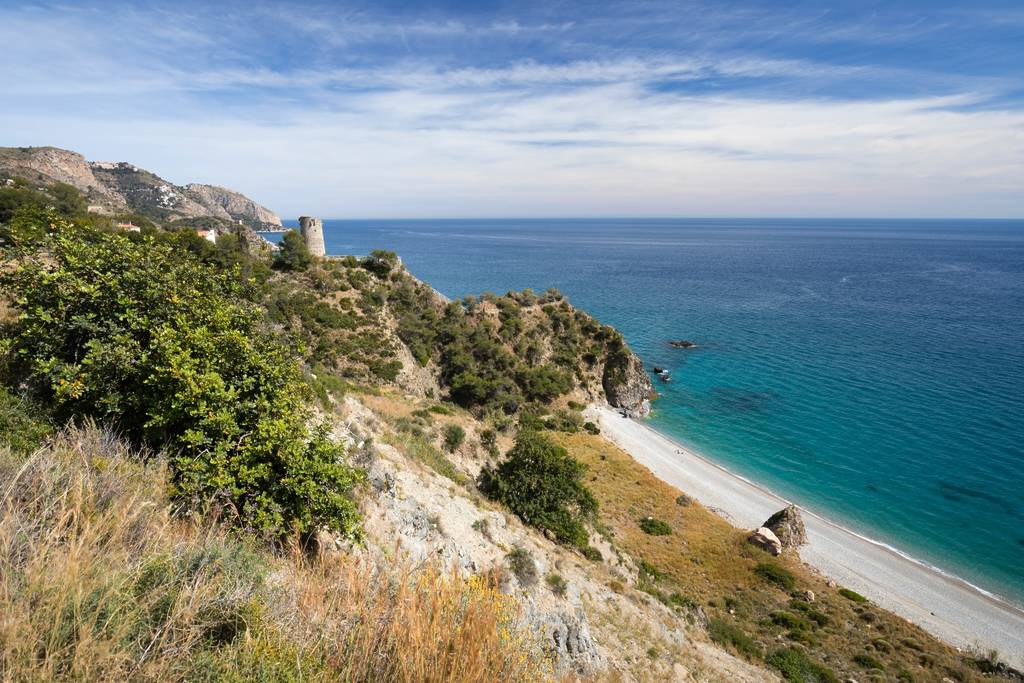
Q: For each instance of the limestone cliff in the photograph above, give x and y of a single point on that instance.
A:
(626, 384)
(236, 205)
(120, 187)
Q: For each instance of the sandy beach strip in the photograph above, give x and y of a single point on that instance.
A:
(951, 609)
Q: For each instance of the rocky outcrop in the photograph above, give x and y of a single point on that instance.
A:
(682, 344)
(237, 206)
(48, 165)
(788, 527)
(120, 187)
(765, 539)
(626, 384)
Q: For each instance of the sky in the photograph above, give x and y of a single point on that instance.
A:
(548, 109)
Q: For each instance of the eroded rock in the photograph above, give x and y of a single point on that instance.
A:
(766, 539)
(788, 527)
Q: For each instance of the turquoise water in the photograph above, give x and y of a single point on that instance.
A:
(872, 371)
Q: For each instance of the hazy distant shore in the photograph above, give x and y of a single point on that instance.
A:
(949, 608)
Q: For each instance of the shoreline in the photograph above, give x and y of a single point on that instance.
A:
(946, 606)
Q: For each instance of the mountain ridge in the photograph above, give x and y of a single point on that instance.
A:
(121, 187)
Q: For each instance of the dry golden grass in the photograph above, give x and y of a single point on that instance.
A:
(707, 560)
(99, 581)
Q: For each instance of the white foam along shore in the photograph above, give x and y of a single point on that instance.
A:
(949, 608)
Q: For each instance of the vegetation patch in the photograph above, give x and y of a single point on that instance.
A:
(852, 595)
(797, 667)
(523, 566)
(773, 573)
(732, 636)
(655, 527)
(542, 484)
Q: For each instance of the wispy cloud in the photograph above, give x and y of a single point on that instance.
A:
(355, 112)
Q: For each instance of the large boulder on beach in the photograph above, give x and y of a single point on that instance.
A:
(765, 539)
(788, 527)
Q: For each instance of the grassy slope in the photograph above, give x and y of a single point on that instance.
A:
(707, 560)
(100, 582)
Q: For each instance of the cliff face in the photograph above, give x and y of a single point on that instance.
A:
(236, 205)
(120, 187)
(46, 165)
(626, 384)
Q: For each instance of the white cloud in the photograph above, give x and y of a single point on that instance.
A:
(578, 137)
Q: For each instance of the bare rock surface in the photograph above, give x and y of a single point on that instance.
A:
(788, 527)
(236, 205)
(766, 539)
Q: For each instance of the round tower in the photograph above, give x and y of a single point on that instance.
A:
(312, 230)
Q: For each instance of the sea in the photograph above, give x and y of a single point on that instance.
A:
(871, 371)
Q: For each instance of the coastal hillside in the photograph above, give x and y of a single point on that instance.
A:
(221, 463)
(113, 188)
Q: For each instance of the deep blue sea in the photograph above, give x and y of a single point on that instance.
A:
(870, 370)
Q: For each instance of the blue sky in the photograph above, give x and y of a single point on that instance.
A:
(463, 109)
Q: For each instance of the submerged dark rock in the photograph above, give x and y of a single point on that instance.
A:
(682, 344)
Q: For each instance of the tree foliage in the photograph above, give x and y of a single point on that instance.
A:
(543, 485)
(136, 333)
(292, 254)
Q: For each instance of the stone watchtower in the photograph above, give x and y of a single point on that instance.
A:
(312, 230)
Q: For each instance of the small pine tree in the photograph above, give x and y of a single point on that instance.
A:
(292, 253)
(543, 485)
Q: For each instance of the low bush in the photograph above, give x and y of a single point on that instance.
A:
(796, 667)
(21, 427)
(773, 573)
(591, 428)
(789, 620)
(655, 527)
(592, 553)
(557, 584)
(454, 436)
(732, 636)
(523, 566)
(868, 662)
(852, 595)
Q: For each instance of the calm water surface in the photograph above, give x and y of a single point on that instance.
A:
(872, 371)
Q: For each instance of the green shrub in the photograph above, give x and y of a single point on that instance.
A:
(789, 620)
(868, 662)
(454, 436)
(542, 484)
(591, 428)
(557, 585)
(852, 595)
(796, 667)
(780, 576)
(22, 428)
(523, 566)
(135, 333)
(592, 553)
(729, 635)
(655, 527)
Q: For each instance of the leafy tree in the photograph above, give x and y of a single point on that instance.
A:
(13, 198)
(381, 262)
(292, 254)
(146, 337)
(66, 199)
(543, 485)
